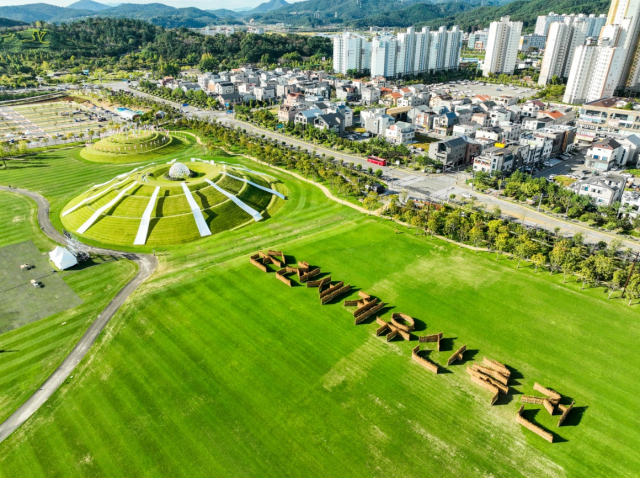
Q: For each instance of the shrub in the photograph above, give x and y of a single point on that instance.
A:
(557, 210)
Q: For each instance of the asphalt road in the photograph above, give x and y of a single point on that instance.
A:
(147, 265)
(419, 185)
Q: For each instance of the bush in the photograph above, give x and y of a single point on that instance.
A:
(611, 225)
(585, 217)
(557, 210)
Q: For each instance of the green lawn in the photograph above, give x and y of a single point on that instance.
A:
(217, 369)
(29, 354)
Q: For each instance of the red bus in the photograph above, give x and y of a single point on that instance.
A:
(377, 160)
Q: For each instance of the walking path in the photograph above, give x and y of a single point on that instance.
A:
(147, 265)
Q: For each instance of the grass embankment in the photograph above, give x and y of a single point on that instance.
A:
(220, 369)
(31, 353)
(174, 147)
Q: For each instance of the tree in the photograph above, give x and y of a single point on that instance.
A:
(558, 255)
(371, 201)
(633, 288)
(501, 243)
(538, 260)
(524, 248)
(618, 281)
(588, 271)
(569, 264)
(476, 234)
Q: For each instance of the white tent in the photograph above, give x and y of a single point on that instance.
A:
(62, 258)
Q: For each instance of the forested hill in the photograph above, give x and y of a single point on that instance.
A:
(107, 37)
(6, 22)
(525, 11)
(468, 14)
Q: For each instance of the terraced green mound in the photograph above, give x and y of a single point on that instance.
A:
(148, 207)
(134, 146)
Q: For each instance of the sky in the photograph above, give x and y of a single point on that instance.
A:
(203, 4)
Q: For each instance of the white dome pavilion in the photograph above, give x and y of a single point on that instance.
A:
(179, 171)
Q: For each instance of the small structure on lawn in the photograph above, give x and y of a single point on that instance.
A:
(62, 258)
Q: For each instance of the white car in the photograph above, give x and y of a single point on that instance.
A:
(551, 176)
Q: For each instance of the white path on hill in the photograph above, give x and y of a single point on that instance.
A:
(96, 196)
(143, 230)
(203, 229)
(249, 210)
(82, 229)
(272, 191)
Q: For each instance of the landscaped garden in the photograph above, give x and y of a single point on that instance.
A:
(215, 368)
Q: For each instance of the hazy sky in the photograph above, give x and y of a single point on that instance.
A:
(203, 4)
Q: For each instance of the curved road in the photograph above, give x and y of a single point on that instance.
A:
(147, 264)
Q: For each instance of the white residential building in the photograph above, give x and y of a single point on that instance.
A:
(603, 191)
(478, 39)
(582, 66)
(502, 47)
(347, 52)
(532, 40)
(383, 56)
(544, 22)
(400, 133)
(564, 38)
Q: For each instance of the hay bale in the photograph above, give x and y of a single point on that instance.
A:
(430, 338)
(497, 366)
(365, 307)
(381, 330)
(457, 355)
(370, 312)
(392, 334)
(260, 266)
(304, 266)
(284, 279)
(565, 411)
(548, 406)
(363, 295)
(396, 318)
(426, 363)
(309, 275)
(350, 303)
(492, 373)
(546, 391)
(335, 294)
(500, 386)
(331, 289)
(531, 399)
(532, 427)
(318, 283)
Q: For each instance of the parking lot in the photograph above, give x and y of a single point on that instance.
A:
(473, 88)
(58, 118)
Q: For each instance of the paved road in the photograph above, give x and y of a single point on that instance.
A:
(147, 265)
(418, 185)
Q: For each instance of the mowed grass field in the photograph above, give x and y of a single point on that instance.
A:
(28, 355)
(217, 369)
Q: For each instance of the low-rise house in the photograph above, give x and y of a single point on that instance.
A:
(306, 117)
(265, 93)
(468, 128)
(330, 122)
(482, 119)
(603, 191)
(443, 124)
(602, 155)
(400, 133)
(495, 160)
(288, 113)
(498, 115)
(376, 121)
(539, 151)
(343, 110)
(230, 99)
(370, 96)
(450, 152)
(631, 146)
(224, 87)
(630, 204)
(533, 124)
(531, 108)
(505, 100)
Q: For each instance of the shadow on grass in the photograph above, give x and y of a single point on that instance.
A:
(575, 416)
(446, 343)
(468, 356)
(531, 414)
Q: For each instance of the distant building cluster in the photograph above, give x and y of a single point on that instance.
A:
(407, 53)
